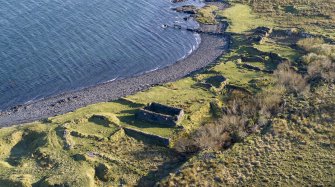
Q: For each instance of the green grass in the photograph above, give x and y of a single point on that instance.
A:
(40, 154)
(238, 76)
(34, 152)
(128, 159)
(316, 17)
(206, 14)
(293, 150)
(261, 160)
(93, 127)
(31, 152)
(282, 50)
(242, 19)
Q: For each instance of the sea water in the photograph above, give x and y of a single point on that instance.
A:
(48, 47)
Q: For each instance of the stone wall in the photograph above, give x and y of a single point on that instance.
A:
(146, 137)
(239, 88)
(153, 117)
(161, 114)
(260, 33)
(163, 109)
(217, 81)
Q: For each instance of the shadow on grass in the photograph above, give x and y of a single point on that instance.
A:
(154, 176)
(26, 147)
(98, 121)
(163, 171)
(131, 120)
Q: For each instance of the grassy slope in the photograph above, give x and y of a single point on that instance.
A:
(291, 151)
(317, 17)
(97, 138)
(128, 159)
(274, 160)
(57, 157)
(241, 19)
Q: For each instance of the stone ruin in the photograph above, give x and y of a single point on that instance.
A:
(255, 68)
(231, 87)
(260, 33)
(147, 137)
(161, 114)
(217, 81)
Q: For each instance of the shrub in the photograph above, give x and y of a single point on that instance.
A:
(308, 43)
(320, 62)
(323, 49)
(216, 108)
(214, 136)
(269, 100)
(290, 79)
(238, 136)
(311, 57)
(186, 145)
(322, 70)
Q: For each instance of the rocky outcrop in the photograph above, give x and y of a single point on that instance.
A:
(188, 9)
(178, 1)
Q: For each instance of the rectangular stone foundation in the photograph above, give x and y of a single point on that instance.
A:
(161, 114)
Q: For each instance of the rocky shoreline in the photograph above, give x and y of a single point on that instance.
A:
(210, 48)
(213, 44)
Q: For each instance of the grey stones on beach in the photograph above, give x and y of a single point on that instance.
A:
(210, 48)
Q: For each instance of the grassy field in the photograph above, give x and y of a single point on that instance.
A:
(316, 17)
(242, 19)
(78, 149)
(287, 154)
(296, 148)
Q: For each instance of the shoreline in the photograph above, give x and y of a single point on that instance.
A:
(210, 48)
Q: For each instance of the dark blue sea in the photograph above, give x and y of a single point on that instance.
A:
(48, 47)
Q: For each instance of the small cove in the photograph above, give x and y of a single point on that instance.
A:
(51, 47)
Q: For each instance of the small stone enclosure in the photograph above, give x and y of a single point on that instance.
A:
(217, 81)
(161, 114)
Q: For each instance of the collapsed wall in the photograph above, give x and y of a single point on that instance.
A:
(146, 137)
